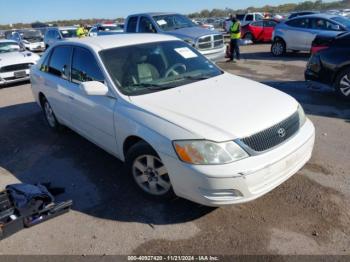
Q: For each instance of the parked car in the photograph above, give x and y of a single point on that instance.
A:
(244, 19)
(2, 34)
(330, 63)
(259, 31)
(30, 39)
(179, 122)
(298, 33)
(302, 13)
(54, 34)
(14, 62)
(209, 43)
(105, 29)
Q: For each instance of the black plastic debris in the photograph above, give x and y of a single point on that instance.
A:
(24, 205)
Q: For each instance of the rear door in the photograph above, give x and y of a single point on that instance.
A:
(298, 34)
(257, 29)
(56, 82)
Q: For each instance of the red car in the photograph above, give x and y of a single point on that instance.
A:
(259, 31)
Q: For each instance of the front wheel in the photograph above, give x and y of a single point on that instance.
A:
(342, 84)
(278, 48)
(148, 171)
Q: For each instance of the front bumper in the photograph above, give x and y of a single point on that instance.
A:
(244, 180)
(10, 78)
(214, 55)
(310, 75)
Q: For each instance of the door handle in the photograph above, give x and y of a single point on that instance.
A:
(71, 97)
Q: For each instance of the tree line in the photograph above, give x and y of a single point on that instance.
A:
(318, 5)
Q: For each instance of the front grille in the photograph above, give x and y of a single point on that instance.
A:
(274, 135)
(17, 67)
(210, 42)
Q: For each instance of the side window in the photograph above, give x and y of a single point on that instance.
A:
(300, 23)
(85, 67)
(132, 23)
(258, 24)
(59, 61)
(249, 18)
(146, 26)
(270, 23)
(323, 24)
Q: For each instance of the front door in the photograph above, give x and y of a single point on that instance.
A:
(92, 116)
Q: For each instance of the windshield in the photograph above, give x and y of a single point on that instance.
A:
(6, 47)
(173, 22)
(110, 28)
(153, 67)
(31, 34)
(68, 33)
(342, 20)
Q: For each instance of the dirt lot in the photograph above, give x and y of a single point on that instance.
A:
(309, 214)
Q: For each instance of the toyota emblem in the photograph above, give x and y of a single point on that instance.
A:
(281, 132)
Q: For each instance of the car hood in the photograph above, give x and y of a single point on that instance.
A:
(222, 108)
(192, 32)
(12, 58)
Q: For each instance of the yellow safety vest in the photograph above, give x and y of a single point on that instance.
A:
(80, 32)
(233, 29)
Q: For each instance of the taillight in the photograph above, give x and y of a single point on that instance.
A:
(316, 49)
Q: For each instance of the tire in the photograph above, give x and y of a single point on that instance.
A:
(342, 84)
(148, 172)
(278, 48)
(50, 116)
(249, 36)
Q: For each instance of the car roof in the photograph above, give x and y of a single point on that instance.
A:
(326, 16)
(7, 40)
(154, 14)
(62, 28)
(118, 40)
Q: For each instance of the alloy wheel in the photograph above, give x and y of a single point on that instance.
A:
(345, 85)
(50, 117)
(151, 175)
(277, 48)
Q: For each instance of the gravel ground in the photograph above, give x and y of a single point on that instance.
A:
(309, 214)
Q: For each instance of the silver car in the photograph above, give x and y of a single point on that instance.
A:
(55, 34)
(297, 34)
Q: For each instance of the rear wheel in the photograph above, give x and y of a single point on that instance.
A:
(278, 48)
(248, 36)
(342, 84)
(50, 115)
(148, 171)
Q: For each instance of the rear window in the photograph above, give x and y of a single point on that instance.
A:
(131, 26)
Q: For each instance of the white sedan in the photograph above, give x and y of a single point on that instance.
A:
(182, 125)
(14, 62)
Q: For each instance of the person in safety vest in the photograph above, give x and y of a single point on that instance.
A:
(82, 31)
(235, 36)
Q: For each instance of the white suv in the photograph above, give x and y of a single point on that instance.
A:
(181, 124)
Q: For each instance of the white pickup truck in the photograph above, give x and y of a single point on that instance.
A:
(244, 19)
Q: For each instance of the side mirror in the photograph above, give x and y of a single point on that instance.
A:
(94, 88)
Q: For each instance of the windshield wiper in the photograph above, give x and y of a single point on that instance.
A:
(150, 86)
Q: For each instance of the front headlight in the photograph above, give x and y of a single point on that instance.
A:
(302, 117)
(202, 152)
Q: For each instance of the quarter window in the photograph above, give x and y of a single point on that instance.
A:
(84, 67)
(59, 62)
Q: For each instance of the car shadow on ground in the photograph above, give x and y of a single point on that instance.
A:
(317, 100)
(92, 178)
(289, 56)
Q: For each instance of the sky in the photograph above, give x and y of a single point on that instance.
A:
(14, 11)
